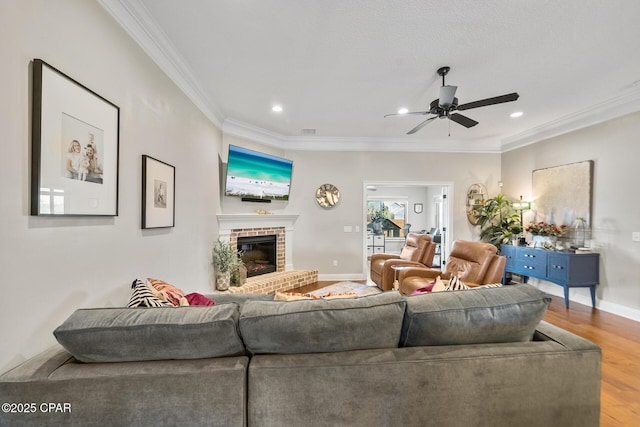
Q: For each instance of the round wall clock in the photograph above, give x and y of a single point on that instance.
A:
(327, 195)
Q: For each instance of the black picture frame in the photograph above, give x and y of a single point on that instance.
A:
(158, 193)
(74, 147)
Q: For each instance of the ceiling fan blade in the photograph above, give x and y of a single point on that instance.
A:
(421, 125)
(489, 101)
(463, 120)
(447, 94)
(421, 113)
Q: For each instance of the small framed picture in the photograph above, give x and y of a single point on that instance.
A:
(158, 193)
(74, 145)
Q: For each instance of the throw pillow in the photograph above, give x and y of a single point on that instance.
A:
(489, 285)
(455, 284)
(429, 287)
(195, 298)
(168, 292)
(142, 296)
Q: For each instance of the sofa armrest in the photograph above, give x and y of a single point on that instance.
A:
(546, 331)
(382, 257)
(389, 274)
(40, 366)
(425, 273)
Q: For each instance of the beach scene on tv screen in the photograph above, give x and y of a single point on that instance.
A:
(255, 175)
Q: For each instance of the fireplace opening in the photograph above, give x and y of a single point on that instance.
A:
(258, 254)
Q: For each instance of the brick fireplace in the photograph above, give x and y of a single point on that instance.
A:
(231, 226)
(262, 249)
(285, 278)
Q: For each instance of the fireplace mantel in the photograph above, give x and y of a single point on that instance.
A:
(229, 222)
(245, 220)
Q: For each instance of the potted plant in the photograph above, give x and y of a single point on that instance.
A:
(225, 260)
(545, 235)
(499, 222)
(239, 273)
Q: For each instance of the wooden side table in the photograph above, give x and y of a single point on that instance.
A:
(396, 268)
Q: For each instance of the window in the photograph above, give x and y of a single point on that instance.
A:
(388, 214)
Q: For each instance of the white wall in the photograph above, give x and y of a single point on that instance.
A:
(52, 266)
(614, 147)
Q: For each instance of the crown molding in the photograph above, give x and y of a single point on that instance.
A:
(626, 103)
(140, 25)
(319, 143)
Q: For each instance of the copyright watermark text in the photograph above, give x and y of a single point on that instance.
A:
(33, 407)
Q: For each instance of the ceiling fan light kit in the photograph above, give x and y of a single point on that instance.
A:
(447, 103)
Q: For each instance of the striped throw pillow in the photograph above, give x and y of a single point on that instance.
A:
(143, 296)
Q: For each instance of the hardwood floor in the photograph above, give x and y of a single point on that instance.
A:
(619, 339)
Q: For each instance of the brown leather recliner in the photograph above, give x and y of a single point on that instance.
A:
(418, 251)
(474, 263)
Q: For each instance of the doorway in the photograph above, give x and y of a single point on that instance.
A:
(420, 207)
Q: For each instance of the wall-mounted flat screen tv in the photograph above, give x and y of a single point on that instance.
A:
(257, 176)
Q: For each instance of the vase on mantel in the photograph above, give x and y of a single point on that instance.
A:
(545, 242)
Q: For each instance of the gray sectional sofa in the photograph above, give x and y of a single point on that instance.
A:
(478, 357)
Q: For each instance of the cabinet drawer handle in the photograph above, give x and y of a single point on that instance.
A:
(559, 267)
(528, 267)
(529, 256)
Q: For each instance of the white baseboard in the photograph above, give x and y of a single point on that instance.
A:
(583, 296)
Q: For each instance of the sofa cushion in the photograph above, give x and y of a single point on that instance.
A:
(319, 325)
(486, 315)
(132, 334)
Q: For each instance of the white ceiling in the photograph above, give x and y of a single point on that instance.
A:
(338, 66)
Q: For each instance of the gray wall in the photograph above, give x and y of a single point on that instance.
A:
(614, 147)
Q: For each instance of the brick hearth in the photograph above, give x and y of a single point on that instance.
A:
(271, 283)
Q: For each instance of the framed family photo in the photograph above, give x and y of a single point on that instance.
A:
(158, 193)
(74, 145)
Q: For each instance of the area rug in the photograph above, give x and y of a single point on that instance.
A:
(360, 289)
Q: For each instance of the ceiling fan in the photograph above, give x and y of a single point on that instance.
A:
(443, 107)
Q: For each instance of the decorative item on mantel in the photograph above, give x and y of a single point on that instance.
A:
(263, 212)
(545, 235)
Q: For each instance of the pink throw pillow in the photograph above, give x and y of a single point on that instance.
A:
(199, 299)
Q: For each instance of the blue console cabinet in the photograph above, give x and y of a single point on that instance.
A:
(566, 269)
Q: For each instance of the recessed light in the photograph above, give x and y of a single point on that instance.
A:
(277, 108)
(403, 111)
(516, 114)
